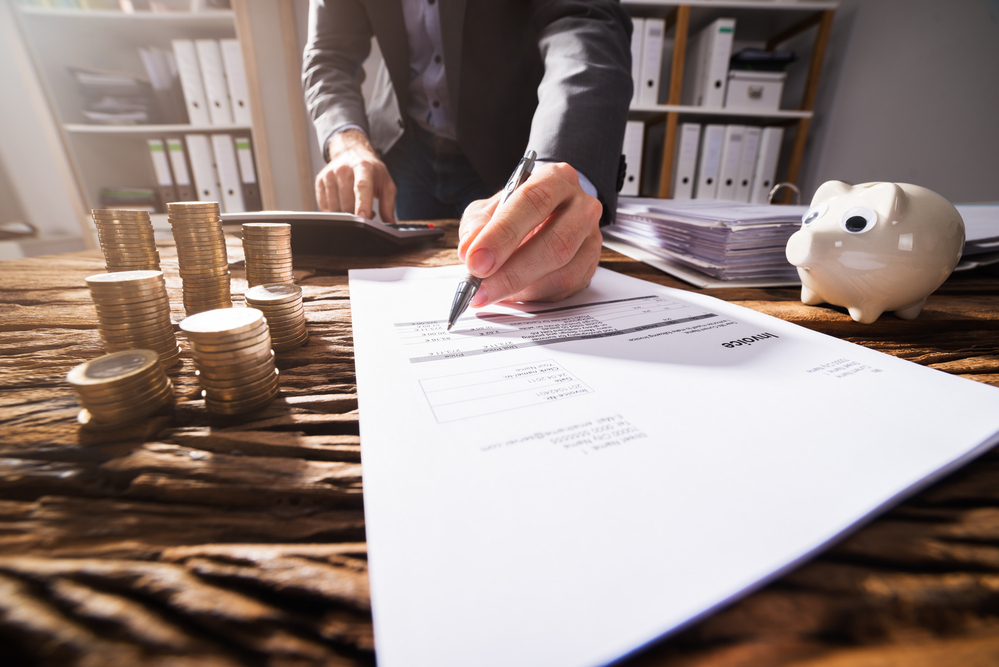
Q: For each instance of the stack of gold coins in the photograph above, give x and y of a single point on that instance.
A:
(201, 255)
(120, 387)
(233, 356)
(133, 312)
(281, 304)
(267, 248)
(127, 240)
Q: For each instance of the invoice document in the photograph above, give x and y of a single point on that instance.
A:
(561, 484)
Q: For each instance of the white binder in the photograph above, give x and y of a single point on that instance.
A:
(708, 162)
(750, 147)
(685, 164)
(181, 176)
(731, 158)
(235, 76)
(652, 56)
(228, 171)
(634, 133)
(203, 166)
(248, 174)
(190, 82)
(161, 166)
(637, 38)
(765, 171)
(213, 74)
(707, 66)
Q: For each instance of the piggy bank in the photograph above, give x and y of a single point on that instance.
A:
(875, 247)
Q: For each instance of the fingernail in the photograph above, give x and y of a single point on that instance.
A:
(481, 298)
(481, 262)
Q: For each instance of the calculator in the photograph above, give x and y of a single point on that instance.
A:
(315, 233)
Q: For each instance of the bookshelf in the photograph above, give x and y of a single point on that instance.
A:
(766, 24)
(112, 155)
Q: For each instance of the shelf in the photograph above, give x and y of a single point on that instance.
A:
(646, 113)
(221, 16)
(83, 128)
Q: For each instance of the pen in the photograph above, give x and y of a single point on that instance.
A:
(470, 284)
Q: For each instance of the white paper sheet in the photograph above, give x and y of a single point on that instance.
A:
(560, 484)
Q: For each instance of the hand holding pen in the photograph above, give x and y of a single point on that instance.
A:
(542, 244)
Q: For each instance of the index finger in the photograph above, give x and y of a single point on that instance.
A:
(364, 190)
(529, 206)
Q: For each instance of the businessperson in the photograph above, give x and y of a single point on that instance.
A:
(468, 86)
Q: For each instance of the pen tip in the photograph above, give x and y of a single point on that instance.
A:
(449, 325)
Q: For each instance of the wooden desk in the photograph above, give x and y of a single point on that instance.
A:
(243, 543)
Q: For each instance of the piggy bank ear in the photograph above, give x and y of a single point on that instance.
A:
(831, 189)
(888, 198)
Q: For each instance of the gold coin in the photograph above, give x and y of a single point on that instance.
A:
(292, 344)
(247, 389)
(113, 369)
(133, 411)
(232, 380)
(212, 325)
(241, 407)
(235, 369)
(294, 312)
(274, 293)
(133, 395)
(135, 326)
(233, 342)
(220, 357)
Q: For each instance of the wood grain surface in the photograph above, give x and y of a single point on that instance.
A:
(195, 540)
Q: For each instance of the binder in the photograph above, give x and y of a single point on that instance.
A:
(685, 163)
(203, 167)
(765, 172)
(213, 75)
(190, 82)
(248, 174)
(708, 162)
(161, 67)
(750, 148)
(165, 191)
(235, 76)
(731, 159)
(652, 55)
(228, 172)
(707, 69)
(181, 176)
(637, 38)
(634, 133)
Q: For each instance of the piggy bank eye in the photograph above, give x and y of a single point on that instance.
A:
(814, 213)
(858, 220)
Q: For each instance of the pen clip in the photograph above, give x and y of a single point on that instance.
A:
(520, 174)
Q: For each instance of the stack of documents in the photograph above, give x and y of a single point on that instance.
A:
(981, 235)
(708, 242)
(113, 98)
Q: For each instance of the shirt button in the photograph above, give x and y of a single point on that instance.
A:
(437, 59)
(430, 2)
(436, 104)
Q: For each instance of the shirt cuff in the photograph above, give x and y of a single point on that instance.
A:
(326, 144)
(584, 182)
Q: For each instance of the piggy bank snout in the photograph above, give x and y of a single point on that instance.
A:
(799, 248)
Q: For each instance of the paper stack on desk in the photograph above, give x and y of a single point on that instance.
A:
(709, 241)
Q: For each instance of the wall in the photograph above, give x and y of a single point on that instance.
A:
(31, 151)
(910, 93)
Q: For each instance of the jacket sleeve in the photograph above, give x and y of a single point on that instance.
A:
(586, 89)
(339, 41)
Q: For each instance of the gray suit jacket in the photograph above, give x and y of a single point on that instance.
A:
(552, 75)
